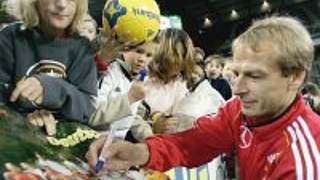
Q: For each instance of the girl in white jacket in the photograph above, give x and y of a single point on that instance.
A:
(166, 89)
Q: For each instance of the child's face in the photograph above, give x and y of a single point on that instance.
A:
(227, 72)
(197, 74)
(213, 70)
(88, 30)
(140, 57)
(198, 58)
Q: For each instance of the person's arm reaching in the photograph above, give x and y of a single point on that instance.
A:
(114, 107)
(120, 156)
(210, 137)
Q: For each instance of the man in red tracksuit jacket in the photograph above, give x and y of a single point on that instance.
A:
(274, 133)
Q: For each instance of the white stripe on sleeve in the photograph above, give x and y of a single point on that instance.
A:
(296, 154)
(305, 152)
(312, 142)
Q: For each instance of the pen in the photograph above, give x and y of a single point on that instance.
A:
(143, 74)
(101, 160)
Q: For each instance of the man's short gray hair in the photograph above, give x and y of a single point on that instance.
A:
(287, 35)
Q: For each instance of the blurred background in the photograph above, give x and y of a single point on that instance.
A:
(213, 24)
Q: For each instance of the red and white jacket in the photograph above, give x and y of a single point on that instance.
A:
(287, 148)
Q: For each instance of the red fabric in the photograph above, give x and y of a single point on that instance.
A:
(102, 65)
(284, 149)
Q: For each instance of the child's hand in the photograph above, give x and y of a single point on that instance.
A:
(110, 46)
(136, 92)
(166, 124)
(43, 118)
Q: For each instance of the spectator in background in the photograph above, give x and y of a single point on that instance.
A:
(199, 55)
(214, 65)
(46, 66)
(169, 72)
(274, 134)
(88, 28)
(202, 99)
(311, 94)
(227, 72)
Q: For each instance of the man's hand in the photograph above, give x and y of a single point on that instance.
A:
(29, 88)
(43, 118)
(120, 155)
(94, 150)
(136, 92)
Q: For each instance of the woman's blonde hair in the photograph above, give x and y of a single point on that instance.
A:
(175, 56)
(27, 12)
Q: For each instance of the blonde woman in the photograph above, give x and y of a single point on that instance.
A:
(175, 57)
(169, 72)
(45, 64)
(172, 68)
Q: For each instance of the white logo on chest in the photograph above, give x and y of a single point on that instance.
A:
(245, 137)
(273, 158)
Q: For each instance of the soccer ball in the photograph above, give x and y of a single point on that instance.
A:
(131, 21)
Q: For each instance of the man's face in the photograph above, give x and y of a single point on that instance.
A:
(263, 90)
(213, 70)
(57, 15)
(139, 57)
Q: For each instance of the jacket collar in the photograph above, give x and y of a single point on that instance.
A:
(125, 68)
(278, 123)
